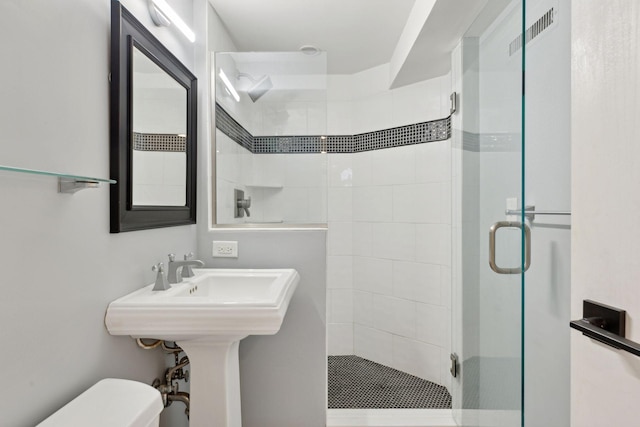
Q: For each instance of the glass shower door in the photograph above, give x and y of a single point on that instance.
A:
(489, 241)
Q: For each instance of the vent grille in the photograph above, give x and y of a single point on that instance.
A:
(533, 31)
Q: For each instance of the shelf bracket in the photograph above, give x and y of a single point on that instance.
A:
(70, 186)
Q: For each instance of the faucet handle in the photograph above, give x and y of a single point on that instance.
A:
(172, 257)
(186, 269)
(161, 279)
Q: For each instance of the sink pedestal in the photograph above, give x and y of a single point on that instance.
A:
(214, 381)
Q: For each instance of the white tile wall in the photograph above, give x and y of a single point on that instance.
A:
(339, 272)
(417, 282)
(409, 108)
(393, 166)
(362, 238)
(373, 204)
(363, 308)
(340, 240)
(370, 82)
(340, 339)
(417, 358)
(372, 112)
(340, 117)
(393, 205)
(431, 324)
(432, 161)
(341, 305)
(373, 344)
(362, 172)
(340, 200)
(418, 203)
(394, 241)
(373, 275)
(340, 170)
(395, 315)
(433, 243)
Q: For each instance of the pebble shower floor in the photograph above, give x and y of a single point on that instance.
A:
(357, 383)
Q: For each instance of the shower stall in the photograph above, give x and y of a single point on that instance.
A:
(447, 257)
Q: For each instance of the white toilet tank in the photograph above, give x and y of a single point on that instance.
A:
(111, 403)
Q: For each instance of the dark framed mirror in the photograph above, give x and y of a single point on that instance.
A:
(153, 134)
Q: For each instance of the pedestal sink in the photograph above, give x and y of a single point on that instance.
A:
(207, 315)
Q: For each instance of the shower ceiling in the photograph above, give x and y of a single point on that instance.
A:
(356, 34)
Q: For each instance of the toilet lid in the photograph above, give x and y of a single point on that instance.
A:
(110, 402)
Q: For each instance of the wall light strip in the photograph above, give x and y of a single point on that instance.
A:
(229, 86)
(162, 8)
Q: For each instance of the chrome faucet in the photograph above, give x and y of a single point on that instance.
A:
(161, 278)
(186, 269)
(174, 265)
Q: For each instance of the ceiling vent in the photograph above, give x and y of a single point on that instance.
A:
(533, 31)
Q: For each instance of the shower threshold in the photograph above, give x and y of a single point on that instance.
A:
(390, 418)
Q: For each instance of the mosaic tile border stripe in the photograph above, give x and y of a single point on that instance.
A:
(159, 142)
(233, 129)
(491, 142)
(418, 133)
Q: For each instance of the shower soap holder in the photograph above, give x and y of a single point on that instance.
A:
(605, 324)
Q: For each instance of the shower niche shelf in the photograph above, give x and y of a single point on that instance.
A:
(67, 183)
(266, 186)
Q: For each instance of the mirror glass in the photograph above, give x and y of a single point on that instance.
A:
(270, 140)
(159, 135)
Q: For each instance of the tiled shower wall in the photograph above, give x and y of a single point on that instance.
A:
(281, 190)
(389, 229)
(388, 272)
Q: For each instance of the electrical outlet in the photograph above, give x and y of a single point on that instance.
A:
(225, 249)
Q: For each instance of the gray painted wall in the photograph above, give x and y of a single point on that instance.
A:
(283, 376)
(60, 265)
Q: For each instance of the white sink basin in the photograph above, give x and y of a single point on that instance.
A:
(214, 302)
(207, 315)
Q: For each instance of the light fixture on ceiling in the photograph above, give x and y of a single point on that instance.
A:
(163, 16)
(232, 90)
(309, 49)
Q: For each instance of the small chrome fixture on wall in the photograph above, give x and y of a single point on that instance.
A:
(453, 103)
(530, 212)
(241, 204)
(455, 365)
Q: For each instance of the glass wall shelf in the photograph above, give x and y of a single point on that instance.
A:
(66, 183)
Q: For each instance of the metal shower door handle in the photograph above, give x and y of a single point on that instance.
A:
(492, 246)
